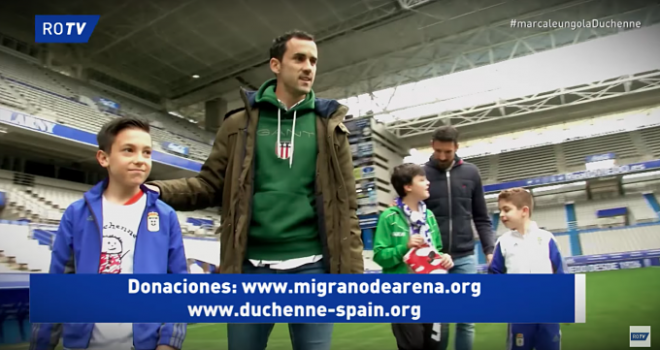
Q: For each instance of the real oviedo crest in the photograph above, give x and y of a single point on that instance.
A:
(153, 222)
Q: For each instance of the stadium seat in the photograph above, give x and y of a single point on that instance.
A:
(25, 252)
(622, 145)
(9, 97)
(553, 217)
(485, 168)
(627, 239)
(564, 245)
(651, 138)
(56, 97)
(636, 204)
(539, 161)
(6, 269)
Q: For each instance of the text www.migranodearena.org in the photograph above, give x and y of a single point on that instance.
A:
(320, 289)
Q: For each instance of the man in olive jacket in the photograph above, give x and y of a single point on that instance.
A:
(282, 171)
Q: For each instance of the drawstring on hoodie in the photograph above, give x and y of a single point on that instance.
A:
(293, 133)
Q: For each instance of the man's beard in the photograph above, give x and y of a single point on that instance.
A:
(443, 164)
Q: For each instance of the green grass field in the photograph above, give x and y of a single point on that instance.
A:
(616, 300)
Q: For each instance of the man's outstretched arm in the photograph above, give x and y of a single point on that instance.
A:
(201, 191)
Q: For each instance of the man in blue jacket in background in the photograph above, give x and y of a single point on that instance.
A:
(457, 200)
(97, 235)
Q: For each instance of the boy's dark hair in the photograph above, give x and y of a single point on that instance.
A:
(446, 133)
(106, 137)
(519, 197)
(403, 175)
(278, 48)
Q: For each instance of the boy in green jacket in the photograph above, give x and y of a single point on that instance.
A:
(403, 231)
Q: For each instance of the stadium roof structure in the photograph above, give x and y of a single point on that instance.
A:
(618, 71)
(365, 46)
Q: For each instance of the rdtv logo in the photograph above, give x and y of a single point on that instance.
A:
(69, 29)
(640, 336)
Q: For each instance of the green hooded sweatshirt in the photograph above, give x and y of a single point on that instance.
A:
(284, 222)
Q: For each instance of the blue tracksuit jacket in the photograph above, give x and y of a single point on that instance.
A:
(77, 249)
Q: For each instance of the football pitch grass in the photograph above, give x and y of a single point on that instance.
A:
(616, 300)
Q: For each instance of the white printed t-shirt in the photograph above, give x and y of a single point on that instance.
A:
(196, 269)
(120, 227)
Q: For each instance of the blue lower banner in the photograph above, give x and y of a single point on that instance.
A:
(369, 298)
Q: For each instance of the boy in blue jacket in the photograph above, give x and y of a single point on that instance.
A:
(98, 234)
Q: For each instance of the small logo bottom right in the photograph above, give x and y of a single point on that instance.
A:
(640, 336)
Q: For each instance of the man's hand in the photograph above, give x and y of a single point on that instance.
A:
(489, 258)
(415, 241)
(153, 188)
(446, 261)
(165, 347)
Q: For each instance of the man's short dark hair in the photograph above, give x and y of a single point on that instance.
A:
(446, 133)
(278, 48)
(403, 175)
(106, 137)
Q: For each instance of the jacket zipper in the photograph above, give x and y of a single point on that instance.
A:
(451, 216)
(96, 223)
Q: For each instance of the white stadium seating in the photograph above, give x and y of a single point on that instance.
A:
(46, 200)
(537, 163)
(564, 243)
(621, 240)
(9, 96)
(52, 96)
(18, 245)
(636, 204)
(620, 144)
(552, 218)
(628, 147)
